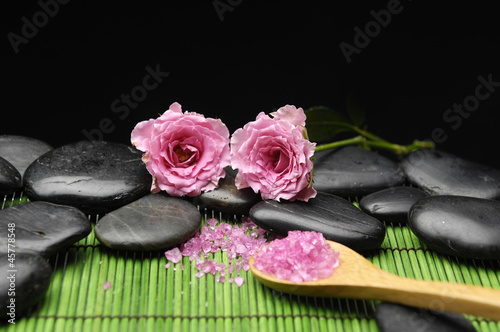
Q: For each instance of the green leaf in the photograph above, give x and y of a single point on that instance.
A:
(356, 111)
(324, 123)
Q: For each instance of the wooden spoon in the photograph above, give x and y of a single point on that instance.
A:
(356, 277)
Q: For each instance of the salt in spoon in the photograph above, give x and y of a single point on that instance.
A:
(357, 278)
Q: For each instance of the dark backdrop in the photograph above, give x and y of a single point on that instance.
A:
(68, 68)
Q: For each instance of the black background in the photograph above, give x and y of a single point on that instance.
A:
(259, 57)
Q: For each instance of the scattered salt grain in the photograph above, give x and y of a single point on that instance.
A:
(106, 285)
(174, 255)
(301, 256)
(239, 281)
(239, 243)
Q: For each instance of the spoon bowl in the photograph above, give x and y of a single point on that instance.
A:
(357, 278)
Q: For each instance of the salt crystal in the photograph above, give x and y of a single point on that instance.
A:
(301, 256)
(212, 238)
(239, 281)
(173, 255)
(106, 285)
(212, 222)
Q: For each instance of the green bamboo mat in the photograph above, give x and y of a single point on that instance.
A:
(144, 296)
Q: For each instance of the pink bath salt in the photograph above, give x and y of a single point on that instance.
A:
(239, 281)
(301, 256)
(106, 285)
(217, 236)
(212, 222)
(174, 255)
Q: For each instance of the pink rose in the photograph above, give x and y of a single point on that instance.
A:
(185, 152)
(273, 157)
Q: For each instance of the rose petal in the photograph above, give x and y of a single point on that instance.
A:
(141, 134)
(290, 113)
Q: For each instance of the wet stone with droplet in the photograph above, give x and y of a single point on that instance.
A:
(227, 198)
(391, 317)
(43, 228)
(460, 226)
(96, 177)
(391, 204)
(153, 222)
(335, 217)
(353, 171)
(10, 179)
(441, 173)
(21, 151)
(30, 282)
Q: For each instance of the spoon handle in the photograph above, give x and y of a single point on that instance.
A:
(435, 295)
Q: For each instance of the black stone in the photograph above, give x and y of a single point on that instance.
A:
(32, 279)
(21, 151)
(391, 204)
(227, 198)
(353, 171)
(335, 217)
(391, 317)
(96, 177)
(43, 228)
(10, 179)
(441, 173)
(154, 222)
(467, 227)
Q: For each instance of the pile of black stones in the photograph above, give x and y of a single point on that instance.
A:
(451, 204)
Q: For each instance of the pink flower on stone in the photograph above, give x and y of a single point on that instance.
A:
(185, 152)
(273, 157)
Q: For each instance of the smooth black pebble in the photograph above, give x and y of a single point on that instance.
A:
(21, 151)
(353, 171)
(391, 204)
(96, 177)
(391, 317)
(10, 178)
(43, 228)
(227, 198)
(30, 282)
(441, 173)
(154, 222)
(335, 217)
(466, 227)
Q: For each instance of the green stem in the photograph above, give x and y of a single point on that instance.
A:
(395, 148)
(367, 134)
(402, 149)
(360, 131)
(338, 144)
